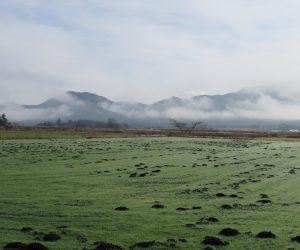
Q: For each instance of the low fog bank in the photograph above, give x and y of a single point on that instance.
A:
(266, 107)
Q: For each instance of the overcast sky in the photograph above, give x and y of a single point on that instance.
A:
(145, 50)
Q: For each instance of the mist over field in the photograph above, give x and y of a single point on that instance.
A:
(259, 106)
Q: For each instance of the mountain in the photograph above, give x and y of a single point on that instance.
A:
(265, 107)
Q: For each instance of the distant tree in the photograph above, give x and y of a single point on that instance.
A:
(177, 124)
(58, 122)
(195, 124)
(3, 120)
(111, 123)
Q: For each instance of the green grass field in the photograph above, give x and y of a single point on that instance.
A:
(71, 187)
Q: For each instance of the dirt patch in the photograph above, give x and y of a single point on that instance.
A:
(15, 245)
(229, 232)
(26, 229)
(220, 195)
(226, 206)
(102, 245)
(144, 244)
(158, 206)
(196, 207)
(36, 246)
(122, 208)
(265, 234)
(296, 239)
(214, 241)
(182, 209)
(51, 237)
(23, 246)
(264, 201)
(154, 245)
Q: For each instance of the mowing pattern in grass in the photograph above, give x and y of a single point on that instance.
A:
(149, 193)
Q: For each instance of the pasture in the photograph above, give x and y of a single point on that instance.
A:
(150, 193)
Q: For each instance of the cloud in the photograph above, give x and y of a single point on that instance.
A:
(145, 50)
(17, 113)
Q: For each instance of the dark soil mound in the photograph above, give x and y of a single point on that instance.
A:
(51, 237)
(296, 239)
(208, 248)
(36, 246)
(156, 171)
(144, 244)
(26, 229)
(229, 232)
(196, 207)
(158, 206)
(121, 208)
(107, 246)
(23, 246)
(264, 201)
(182, 209)
(212, 219)
(226, 206)
(266, 234)
(264, 196)
(190, 225)
(183, 240)
(15, 246)
(214, 241)
(171, 240)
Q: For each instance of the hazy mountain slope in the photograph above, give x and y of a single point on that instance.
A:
(257, 105)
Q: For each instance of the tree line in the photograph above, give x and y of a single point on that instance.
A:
(110, 123)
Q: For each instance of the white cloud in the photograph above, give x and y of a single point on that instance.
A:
(146, 50)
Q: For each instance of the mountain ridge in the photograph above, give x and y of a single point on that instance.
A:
(257, 104)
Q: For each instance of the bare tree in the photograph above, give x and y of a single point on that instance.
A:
(3, 120)
(195, 124)
(177, 124)
(183, 126)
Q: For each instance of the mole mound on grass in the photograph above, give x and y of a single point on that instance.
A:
(102, 245)
(51, 237)
(226, 206)
(214, 241)
(158, 206)
(183, 240)
(15, 245)
(264, 201)
(23, 246)
(26, 229)
(154, 245)
(296, 239)
(122, 208)
(264, 196)
(182, 209)
(189, 225)
(36, 246)
(265, 234)
(144, 244)
(196, 207)
(208, 248)
(229, 232)
(212, 219)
